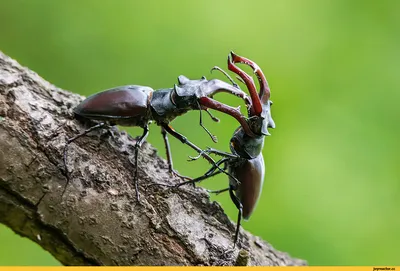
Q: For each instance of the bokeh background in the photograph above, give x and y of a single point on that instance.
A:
(331, 192)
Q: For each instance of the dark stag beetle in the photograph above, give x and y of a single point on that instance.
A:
(138, 105)
(246, 162)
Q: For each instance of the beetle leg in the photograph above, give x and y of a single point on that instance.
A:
(193, 158)
(69, 141)
(184, 140)
(138, 144)
(213, 137)
(208, 174)
(256, 108)
(214, 151)
(221, 153)
(169, 156)
(264, 93)
(238, 205)
(213, 104)
(217, 192)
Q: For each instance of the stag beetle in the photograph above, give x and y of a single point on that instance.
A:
(246, 162)
(138, 105)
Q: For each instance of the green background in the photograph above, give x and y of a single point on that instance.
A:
(331, 191)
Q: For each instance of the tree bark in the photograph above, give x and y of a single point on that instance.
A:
(98, 220)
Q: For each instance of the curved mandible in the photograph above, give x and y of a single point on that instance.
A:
(256, 108)
(208, 102)
(265, 92)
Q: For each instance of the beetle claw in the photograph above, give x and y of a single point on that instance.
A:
(193, 158)
(174, 173)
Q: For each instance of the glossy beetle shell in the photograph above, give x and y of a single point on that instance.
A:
(125, 105)
(250, 174)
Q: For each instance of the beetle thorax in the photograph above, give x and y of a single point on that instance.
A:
(245, 146)
(166, 105)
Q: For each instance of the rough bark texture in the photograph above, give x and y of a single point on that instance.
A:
(98, 220)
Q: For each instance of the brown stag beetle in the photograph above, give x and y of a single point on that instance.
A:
(246, 162)
(139, 105)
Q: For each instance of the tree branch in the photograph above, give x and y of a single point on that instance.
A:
(98, 220)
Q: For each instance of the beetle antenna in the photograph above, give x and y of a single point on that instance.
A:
(227, 75)
(193, 158)
(211, 115)
(213, 137)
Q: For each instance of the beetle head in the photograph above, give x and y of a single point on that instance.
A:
(260, 118)
(260, 124)
(181, 97)
(184, 94)
(187, 87)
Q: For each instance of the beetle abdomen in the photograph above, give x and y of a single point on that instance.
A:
(251, 178)
(121, 105)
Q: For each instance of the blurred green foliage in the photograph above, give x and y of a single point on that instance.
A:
(331, 192)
